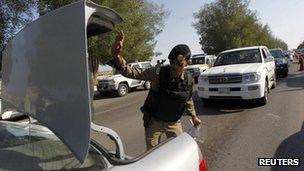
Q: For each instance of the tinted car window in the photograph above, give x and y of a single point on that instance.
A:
(238, 57)
(277, 53)
(136, 66)
(198, 60)
(146, 65)
(32, 147)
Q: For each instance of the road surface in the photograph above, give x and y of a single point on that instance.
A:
(235, 133)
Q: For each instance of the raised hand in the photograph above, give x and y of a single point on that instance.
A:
(118, 44)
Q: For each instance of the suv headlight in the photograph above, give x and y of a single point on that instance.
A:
(251, 77)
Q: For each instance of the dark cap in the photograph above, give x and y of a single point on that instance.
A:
(180, 49)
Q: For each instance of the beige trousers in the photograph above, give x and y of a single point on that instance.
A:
(156, 128)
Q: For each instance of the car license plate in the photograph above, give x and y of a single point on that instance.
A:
(224, 90)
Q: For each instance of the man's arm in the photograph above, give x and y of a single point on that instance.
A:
(148, 74)
(121, 65)
(190, 110)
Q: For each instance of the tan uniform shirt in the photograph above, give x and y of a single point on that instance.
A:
(151, 75)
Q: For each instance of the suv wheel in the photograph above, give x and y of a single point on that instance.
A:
(147, 85)
(264, 100)
(122, 89)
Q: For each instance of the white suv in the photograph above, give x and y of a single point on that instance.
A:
(200, 63)
(120, 84)
(244, 73)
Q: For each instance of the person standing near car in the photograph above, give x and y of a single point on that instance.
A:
(170, 95)
(301, 61)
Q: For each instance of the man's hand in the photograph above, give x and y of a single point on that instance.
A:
(196, 121)
(117, 47)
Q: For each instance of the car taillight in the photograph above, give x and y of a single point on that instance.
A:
(203, 166)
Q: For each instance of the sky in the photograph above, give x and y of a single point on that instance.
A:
(284, 17)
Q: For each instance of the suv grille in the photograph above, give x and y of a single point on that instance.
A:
(225, 79)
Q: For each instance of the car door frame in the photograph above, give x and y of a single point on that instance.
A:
(269, 62)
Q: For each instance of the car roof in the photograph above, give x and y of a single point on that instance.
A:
(140, 62)
(243, 48)
(198, 55)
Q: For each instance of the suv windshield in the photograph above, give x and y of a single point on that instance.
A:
(238, 57)
(198, 60)
(277, 53)
(146, 65)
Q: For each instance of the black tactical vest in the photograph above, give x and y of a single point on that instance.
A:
(169, 102)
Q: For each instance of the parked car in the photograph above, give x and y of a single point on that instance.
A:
(121, 85)
(46, 77)
(199, 63)
(289, 55)
(243, 73)
(282, 66)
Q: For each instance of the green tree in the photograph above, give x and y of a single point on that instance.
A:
(227, 24)
(301, 45)
(13, 16)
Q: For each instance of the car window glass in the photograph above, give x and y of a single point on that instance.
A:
(136, 66)
(200, 60)
(239, 57)
(277, 53)
(146, 65)
(34, 147)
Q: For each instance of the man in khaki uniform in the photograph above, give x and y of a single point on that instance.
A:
(170, 95)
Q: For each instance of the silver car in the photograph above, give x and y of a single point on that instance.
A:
(45, 77)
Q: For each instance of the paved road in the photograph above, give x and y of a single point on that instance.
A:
(236, 133)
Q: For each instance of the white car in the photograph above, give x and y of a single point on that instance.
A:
(244, 73)
(46, 76)
(199, 64)
(120, 84)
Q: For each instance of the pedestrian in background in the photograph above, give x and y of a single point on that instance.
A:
(170, 95)
(301, 61)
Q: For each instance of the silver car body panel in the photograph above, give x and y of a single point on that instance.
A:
(180, 154)
(45, 71)
(35, 147)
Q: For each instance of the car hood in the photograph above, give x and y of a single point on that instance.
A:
(197, 66)
(45, 71)
(234, 69)
(112, 77)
